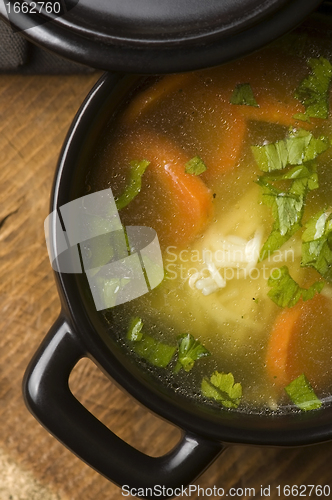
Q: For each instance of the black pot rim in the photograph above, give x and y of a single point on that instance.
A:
(288, 430)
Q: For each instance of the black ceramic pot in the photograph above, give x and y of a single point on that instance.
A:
(156, 37)
(78, 333)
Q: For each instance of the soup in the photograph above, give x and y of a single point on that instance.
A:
(231, 167)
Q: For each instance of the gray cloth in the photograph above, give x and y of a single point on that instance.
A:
(17, 55)
(13, 48)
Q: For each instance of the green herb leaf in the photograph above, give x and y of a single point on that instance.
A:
(195, 166)
(302, 394)
(301, 116)
(135, 330)
(243, 94)
(300, 146)
(155, 352)
(313, 90)
(287, 204)
(285, 292)
(221, 388)
(298, 172)
(190, 350)
(317, 244)
(275, 240)
(137, 169)
(272, 156)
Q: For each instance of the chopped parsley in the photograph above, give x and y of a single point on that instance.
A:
(299, 147)
(159, 354)
(313, 90)
(287, 204)
(243, 94)
(285, 292)
(135, 330)
(155, 352)
(275, 240)
(221, 388)
(137, 169)
(289, 161)
(190, 350)
(195, 166)
(302, 394)
(317, 244)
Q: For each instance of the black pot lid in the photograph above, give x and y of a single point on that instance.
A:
(157, 36)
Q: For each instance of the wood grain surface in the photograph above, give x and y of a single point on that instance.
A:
(35, 115)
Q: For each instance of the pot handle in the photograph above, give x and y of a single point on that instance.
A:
(48, 397)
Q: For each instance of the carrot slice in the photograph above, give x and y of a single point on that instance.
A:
(272, 111)
(214, 127)
(150, 97)
(300, 343)
(176, 204)
(311, 344)
(282, 333)
(220, 138)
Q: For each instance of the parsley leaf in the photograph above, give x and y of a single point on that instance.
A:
(275, 240)
(317, 244)
(135, 330)
(296, 152)
(287, 204)
(190, 350)
(243, 94)
(298, 172)
(285, 292)
(155, 352)
(313, 90)
(195, 166)
(137, 169)
(300, 146)
(302, 394)
(221, 388)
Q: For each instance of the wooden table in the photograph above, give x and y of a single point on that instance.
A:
(35, 114)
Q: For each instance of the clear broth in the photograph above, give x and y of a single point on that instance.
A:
(193, 113)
